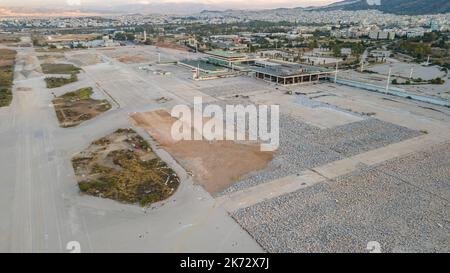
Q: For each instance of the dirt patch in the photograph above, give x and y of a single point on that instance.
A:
(215, 165)
(123, 167)
(6, 62)
(51, 49)
(50, 58)
(24, 89)
(7, 57)
(132, 59)
(75, 107)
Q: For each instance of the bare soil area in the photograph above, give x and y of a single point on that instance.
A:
(130, 59)
(24, 89)
(216, 165)
(51, 58)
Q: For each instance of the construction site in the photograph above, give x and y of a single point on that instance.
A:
(354, 165)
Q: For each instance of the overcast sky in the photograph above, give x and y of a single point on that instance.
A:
(228, 3)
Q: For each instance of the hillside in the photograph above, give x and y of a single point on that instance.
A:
(410, 7)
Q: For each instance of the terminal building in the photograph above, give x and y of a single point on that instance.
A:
(219, 63)
(228, 58)
(284, 73)
(203, 66)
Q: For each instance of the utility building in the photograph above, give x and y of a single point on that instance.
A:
(228, 58)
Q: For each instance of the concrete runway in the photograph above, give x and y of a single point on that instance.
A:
(40, 204)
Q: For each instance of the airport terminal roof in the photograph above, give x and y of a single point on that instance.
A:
(267, 63)
(290, 70)
(225, 54)
(203, 65)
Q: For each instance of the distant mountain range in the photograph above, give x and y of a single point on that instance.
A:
(152, 8)
(409, 7)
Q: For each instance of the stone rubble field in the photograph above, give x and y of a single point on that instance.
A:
(303, 146)
(391, 204)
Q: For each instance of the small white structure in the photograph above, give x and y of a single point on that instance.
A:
(346, 51)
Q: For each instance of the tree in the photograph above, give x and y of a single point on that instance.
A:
(313, 44)
(125, 36)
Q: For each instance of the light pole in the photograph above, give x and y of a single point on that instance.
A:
(388, 79)
(336, 72)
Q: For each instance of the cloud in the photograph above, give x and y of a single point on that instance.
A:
(73, 2)
(374, 2)
(219, 3)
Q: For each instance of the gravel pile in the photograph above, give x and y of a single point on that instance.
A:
(358, 137)
(429, 170)
(298, 150)
(345, 214)
(304, 146)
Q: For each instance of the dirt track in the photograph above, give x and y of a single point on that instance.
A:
(215, 165)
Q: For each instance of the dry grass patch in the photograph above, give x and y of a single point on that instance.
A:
(54, 82)
(50, 68)
(50, 58)
(123, 167)
(75, 107)
(7, 61)
(9, 38)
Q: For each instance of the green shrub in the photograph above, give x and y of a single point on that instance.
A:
(54, 82)
(81, 94)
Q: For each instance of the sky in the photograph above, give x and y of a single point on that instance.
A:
(237, 4)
